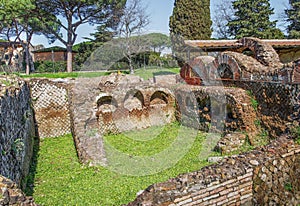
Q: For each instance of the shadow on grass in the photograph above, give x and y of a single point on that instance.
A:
(163, 73)
(29, 180)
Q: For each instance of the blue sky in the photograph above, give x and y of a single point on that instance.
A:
(160, 11)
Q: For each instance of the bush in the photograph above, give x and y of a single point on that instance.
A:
(49, 66)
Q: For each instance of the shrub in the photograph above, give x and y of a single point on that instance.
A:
(49, 66)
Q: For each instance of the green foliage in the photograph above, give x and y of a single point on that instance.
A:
(157, 41)
(252, 18)
(254, 103)
(84, 51)
(295, 133)
(59, 175)
(49, 66)
(298, 140)
(18, 147)
(257, 123)
(144, 73)
(293, 17)
(288, 186)
(76, 13)
(102, 35)
(66, 75)
(191, 19)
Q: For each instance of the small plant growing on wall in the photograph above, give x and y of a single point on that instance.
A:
(254, 102)
(295, 132)
(288, 186)
(18, 147)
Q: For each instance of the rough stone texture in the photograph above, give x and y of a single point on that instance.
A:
(88, 141)
(51, 105)
(10, 194)
(278, 104)
(263, 65)
(217, 109)
(17, 129)
(237, 180)
(276, 181)
(263, 52)
(114, 104)
(231, 142)
(165, 79)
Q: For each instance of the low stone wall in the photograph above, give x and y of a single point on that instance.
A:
(17, 129)
(51, 105)
(10, 194)
(239, 180)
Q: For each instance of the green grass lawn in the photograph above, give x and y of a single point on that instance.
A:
(61, 180)
(144, 73)
(150, 72)
(66, 75)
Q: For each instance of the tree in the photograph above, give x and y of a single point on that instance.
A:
(223, 13)
(76, 13)
(252, 18)
(17, 19)
(293, 17)
(103, 34)
(191, 19)
(133, 21)
(157, 41)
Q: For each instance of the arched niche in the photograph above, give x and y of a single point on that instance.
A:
(134, 99)
(159, 98)
(224, 71)
(107, 104)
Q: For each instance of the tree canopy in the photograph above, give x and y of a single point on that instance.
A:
(252, 18)
(191, 19)
(157, 41)
(17, 18)
(76, 13)
(293, 17)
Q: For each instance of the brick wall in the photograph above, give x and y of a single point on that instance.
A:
(238, 180)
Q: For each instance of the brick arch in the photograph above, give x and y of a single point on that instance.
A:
(200, 66)
(225, 66)
(263, 52)
(134, 99)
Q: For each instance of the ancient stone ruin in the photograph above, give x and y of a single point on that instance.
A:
(261, 64)
(240, 96)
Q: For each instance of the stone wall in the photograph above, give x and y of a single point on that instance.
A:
(10, 194)
(217, 109)
(51, 105)
(239, 180)
(17, 129)
(114, 104)
(278, 104)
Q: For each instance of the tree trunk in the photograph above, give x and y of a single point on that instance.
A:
(27, 57)
(130, 66)
(69, 58)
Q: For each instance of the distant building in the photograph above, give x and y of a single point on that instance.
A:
(55, 54)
